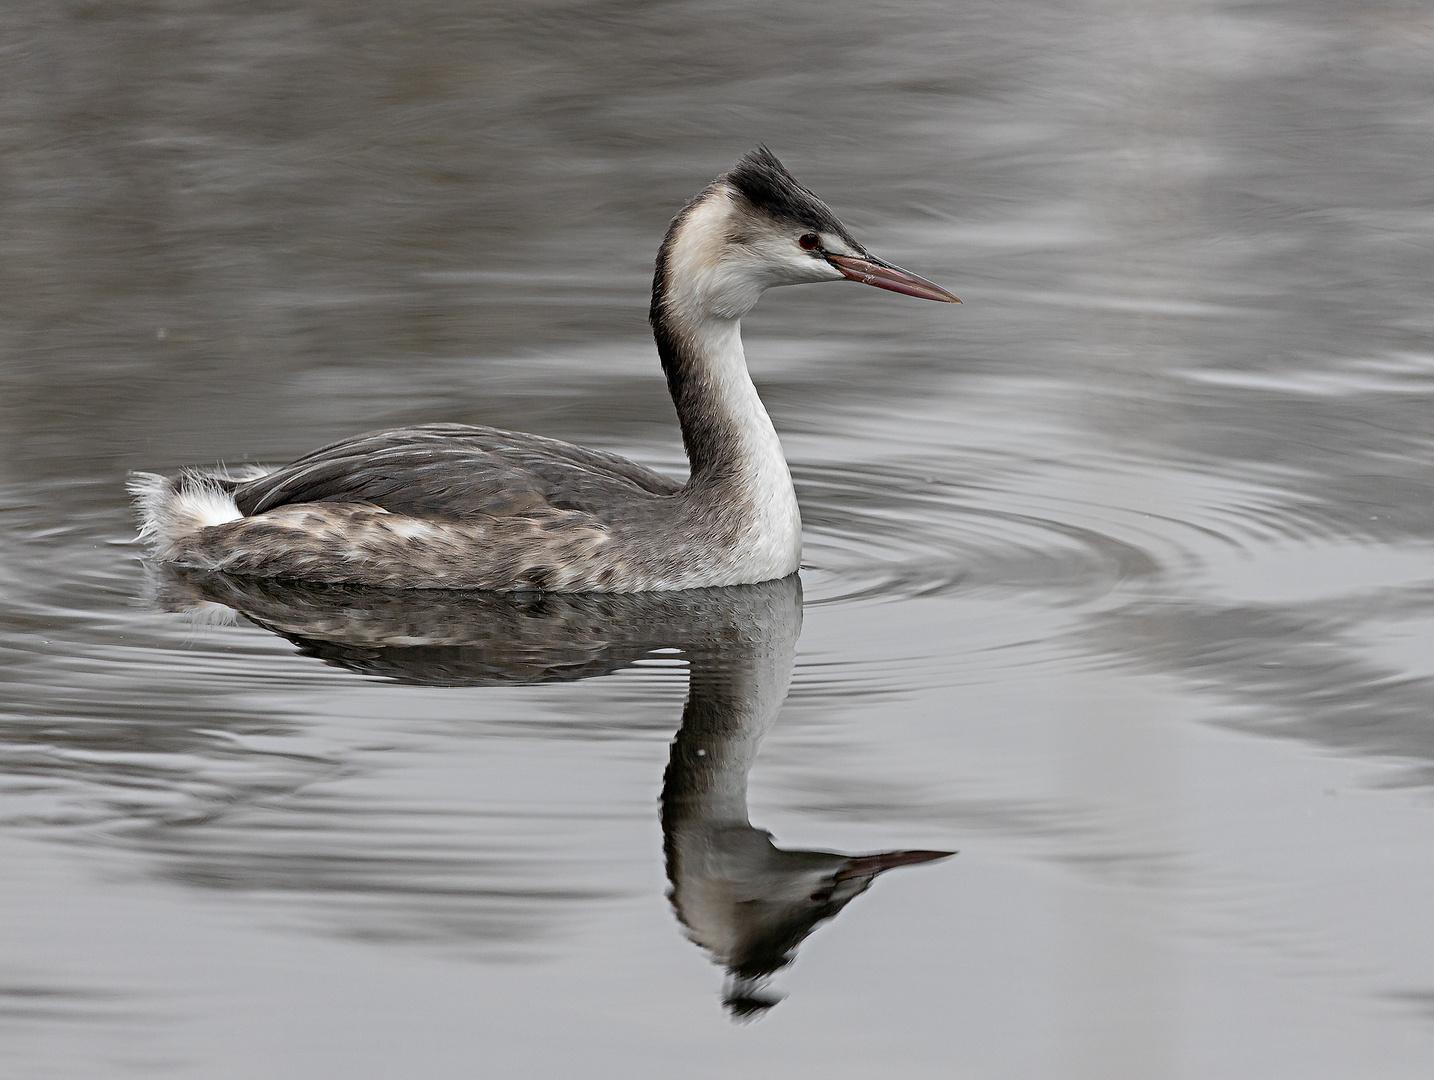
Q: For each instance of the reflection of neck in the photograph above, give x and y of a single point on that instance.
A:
(731, 705)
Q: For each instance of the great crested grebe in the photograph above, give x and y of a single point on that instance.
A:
(454, 506)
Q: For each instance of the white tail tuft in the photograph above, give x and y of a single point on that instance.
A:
(174, 508)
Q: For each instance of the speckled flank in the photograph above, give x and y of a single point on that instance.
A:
(557, 550)
(335, 542)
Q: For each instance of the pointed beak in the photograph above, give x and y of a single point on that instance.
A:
(871, 865)
(872, 271)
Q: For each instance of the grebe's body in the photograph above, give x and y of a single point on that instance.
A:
(453, 506)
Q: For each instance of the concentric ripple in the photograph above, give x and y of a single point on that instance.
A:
(886, 533)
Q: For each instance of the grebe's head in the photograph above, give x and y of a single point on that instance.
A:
(755, 228)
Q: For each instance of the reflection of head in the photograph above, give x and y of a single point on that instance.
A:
(750, 903)
(777, 923)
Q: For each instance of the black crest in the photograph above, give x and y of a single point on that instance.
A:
(765, 183)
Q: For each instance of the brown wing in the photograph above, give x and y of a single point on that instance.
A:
(453, 471)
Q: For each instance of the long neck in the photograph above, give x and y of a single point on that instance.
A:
(740, 491)
(725, 428)
(698, 298)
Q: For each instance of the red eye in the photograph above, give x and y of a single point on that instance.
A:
(809, 241)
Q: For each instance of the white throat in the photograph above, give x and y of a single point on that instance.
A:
(754, 477)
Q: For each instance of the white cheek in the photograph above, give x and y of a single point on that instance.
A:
(800, 268)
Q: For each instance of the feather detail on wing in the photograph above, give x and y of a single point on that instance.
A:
(454, 471)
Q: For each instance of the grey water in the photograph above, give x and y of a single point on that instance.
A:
(1118, 580)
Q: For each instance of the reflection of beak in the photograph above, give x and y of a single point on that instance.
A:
(870, 270)
(871, 865)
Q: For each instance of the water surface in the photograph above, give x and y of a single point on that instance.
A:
(1117, 579)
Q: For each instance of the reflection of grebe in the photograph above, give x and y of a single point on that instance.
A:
(453, 506)
(744, 900)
